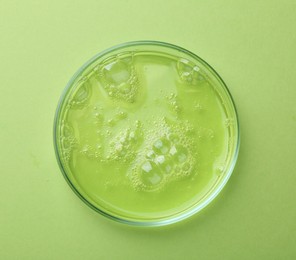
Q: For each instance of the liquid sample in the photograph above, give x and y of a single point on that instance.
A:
(145, 135)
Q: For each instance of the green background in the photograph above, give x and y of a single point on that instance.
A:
(252, 45)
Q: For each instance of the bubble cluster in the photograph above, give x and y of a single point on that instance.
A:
(173, 102)
(114, 145)
(119, 77)
(68, 140)
(189, 73)
(82, 93)
(124, 146)
(165, 158)
(89, 151)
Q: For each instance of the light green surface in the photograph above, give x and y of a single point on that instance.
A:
(252, 45)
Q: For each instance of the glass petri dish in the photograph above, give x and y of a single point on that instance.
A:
(146, 133)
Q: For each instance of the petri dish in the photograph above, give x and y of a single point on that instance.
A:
(146, 133)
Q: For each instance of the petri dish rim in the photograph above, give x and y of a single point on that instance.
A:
(186, 213)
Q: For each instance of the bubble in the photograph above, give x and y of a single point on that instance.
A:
(190, 73)
(120, 78)
(184, 65)
(196, 69)
(167, 166)
(150, 174)
(150, 154)
(159, 159)
(186, 166)
(146, 166)
(66, 143)
(161, 146)
(125, 88)
(181, 154)
(173, 150)
(198, 76)
(67, 130)
(186, 76)
(82, 93)
(117, 72)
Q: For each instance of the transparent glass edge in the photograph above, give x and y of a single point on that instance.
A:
(184, 214)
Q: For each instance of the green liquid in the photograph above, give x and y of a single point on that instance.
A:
(144, 135)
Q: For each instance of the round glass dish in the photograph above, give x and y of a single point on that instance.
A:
(146, 133)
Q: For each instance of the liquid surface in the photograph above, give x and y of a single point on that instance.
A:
(144, 135)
